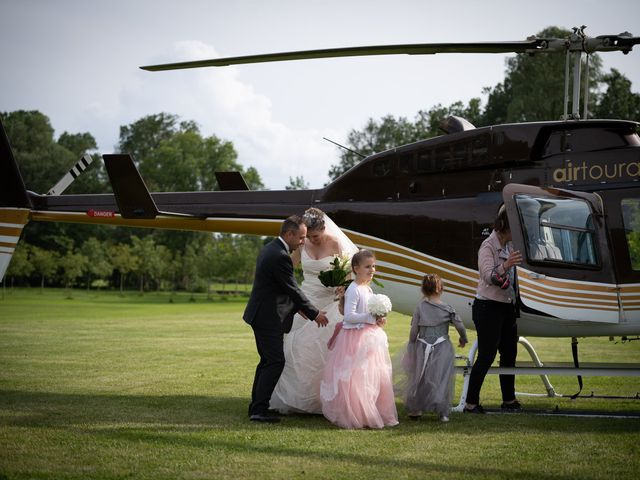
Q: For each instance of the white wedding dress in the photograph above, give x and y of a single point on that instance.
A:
(305, 347)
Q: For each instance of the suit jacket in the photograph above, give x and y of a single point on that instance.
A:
(275, 296)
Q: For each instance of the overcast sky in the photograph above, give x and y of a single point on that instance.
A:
(77, 62)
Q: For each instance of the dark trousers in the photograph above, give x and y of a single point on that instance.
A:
(497, 332)
(269, 344)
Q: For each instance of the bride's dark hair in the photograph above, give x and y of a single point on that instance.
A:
(313, 218)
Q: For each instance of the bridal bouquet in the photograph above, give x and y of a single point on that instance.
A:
(379, 305)
(337, 275)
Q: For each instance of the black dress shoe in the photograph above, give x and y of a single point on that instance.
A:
(259, 417)
(476, 409)
(511, 407)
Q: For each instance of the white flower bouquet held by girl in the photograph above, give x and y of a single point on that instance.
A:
(379, 305)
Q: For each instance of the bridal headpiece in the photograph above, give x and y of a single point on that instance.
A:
(313, 218)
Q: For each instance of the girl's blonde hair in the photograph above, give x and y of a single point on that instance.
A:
(431, 284)
(360, 257)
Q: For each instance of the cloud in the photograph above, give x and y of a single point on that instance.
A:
(224, 105)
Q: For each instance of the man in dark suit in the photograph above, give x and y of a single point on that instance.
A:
(275, 298)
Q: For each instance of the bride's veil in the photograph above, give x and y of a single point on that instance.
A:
(347, 247)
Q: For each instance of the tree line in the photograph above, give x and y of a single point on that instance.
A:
(173, 155)
(220, 258)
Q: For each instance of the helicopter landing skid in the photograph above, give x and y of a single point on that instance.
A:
(558, 412)
(536, 367)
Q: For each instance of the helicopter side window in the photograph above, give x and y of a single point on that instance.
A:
(382, 167)
(460, 156)
(591, 139)
(555, 144)
(441, 158)
(631, 218)
(479, 150)
(425, 161)
(558, 230)
(405, 164)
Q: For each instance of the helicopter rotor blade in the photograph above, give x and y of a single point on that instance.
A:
(530, 46)
(623, 42)
(577, 42)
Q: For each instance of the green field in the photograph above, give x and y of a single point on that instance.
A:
(106, 386)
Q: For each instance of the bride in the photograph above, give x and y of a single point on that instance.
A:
(305, 347)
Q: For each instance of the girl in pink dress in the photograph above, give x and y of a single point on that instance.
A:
(356, 389)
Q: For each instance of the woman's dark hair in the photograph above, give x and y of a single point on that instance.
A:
(313, 218)
(360, 257)
(431, 284)
(502, 221)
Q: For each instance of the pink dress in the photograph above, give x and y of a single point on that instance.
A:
(356, 389)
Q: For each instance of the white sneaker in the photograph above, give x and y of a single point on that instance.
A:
(444, 418)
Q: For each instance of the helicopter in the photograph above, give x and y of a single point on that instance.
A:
(570, 188)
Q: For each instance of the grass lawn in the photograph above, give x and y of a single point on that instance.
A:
(105, 386)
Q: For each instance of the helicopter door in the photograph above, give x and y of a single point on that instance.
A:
(567, 269)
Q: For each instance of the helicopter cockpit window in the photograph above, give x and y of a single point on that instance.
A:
(558, 230)
(631, 217)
